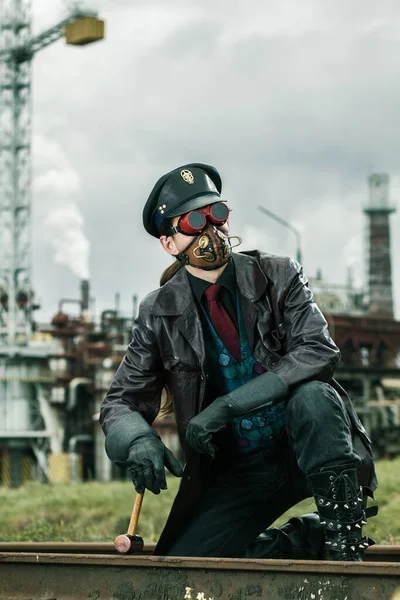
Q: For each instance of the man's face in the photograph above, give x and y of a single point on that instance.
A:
(174, 244)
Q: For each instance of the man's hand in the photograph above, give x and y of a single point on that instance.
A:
(146, 461)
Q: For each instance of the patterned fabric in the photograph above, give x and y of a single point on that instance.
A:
(255, 430)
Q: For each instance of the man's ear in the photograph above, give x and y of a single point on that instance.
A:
(167, 242)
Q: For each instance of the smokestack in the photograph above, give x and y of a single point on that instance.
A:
(379, 272)
(134, 306)
(85, 296)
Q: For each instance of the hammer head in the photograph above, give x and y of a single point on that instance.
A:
(128, 544)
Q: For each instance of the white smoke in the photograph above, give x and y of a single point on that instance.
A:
(58, 188)
(353, 258)
(64, 232)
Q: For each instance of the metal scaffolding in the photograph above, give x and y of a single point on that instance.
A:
(17, 49)
(30, 423)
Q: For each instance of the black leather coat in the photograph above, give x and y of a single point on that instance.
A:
(286, 331)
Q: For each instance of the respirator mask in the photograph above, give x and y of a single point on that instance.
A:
(210, 248)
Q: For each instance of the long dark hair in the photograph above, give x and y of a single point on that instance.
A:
(170, 272)
(167, 403)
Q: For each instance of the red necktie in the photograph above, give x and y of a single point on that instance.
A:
(221, 321)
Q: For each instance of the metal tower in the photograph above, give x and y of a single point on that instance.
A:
(17, 49)
(379, 272)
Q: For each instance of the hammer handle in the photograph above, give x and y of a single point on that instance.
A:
(135, 514)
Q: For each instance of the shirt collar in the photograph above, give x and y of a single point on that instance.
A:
(227, 279)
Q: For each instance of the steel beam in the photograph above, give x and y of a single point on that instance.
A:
(79, 577)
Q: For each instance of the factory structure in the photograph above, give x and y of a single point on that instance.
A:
(41, 375)
(362, 324)
(53, 377)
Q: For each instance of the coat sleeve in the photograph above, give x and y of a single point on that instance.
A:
(139, 380)
(310, 352)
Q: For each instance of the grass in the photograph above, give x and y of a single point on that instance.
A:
(100, 511)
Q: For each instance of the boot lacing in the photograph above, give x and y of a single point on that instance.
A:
(343, 518)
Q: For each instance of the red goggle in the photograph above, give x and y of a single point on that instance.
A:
(194, 221)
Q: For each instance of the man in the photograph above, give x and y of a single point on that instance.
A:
(246, 356)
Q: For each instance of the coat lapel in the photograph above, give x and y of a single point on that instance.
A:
(189, 326)
(175, 299)
(252, 284)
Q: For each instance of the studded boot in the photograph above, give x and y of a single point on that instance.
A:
(341, 509)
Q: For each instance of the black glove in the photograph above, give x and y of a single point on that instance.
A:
(133, 443)
(146, 461)
(253, 395)
(211, 420)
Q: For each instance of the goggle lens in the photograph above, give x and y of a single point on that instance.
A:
(194, 221)
(219, 212)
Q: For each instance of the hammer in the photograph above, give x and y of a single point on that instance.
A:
(129, 543)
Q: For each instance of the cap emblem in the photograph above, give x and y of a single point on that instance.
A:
(187, 176)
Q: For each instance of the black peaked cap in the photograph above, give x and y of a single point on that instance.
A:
(186, 188)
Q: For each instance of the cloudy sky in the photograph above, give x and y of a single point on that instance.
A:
(295, 103)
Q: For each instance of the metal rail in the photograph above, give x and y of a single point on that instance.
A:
(57, 575)
(66, 548)
(373, 554)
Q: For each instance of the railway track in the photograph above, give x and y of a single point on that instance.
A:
(94, 571)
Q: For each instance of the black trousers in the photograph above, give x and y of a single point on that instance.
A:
(248, 493)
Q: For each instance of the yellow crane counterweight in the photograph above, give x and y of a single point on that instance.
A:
(84, 31)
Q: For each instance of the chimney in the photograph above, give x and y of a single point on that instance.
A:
(134, 306)
(85, 296)
(379, 272)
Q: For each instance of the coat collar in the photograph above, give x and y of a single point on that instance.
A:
(251, 279)
(176, 297)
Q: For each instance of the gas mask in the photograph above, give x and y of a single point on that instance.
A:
(209, 250)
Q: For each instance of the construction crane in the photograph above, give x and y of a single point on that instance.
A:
(17, 49)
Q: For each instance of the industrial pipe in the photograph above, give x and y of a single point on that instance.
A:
(67, 301)
(84, 295)
(73, 456)
(72, 390)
